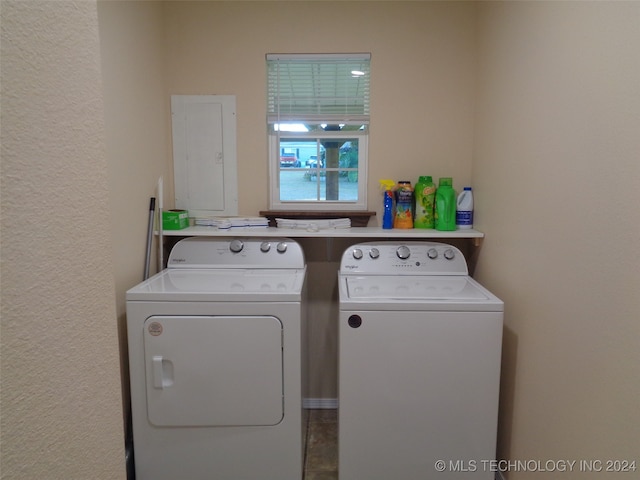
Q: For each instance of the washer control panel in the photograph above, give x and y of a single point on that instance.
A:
(411, 258)
(241, 252)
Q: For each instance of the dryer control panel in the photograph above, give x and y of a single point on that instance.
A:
(411, 258)
(239, 252)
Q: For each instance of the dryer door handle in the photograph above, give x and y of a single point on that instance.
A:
(162, 372)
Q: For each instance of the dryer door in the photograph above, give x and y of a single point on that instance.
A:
(213, 370)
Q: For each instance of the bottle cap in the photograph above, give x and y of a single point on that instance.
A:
(446, 182)
(425, 179)
(467, 188)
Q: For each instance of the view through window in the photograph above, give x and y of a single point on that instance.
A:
(319, 169)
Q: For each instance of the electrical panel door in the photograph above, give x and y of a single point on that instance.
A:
(204, 154)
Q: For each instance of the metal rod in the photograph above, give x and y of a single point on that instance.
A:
(160, 231)
(152, 208)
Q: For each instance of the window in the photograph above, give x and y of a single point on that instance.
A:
(318, 119)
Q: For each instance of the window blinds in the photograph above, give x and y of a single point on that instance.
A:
(318, 88)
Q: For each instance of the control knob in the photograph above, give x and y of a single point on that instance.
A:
(236, 246)
(281, 247)
(449, 254)
(403, 252)
(265, 247)
(432, 253)
(374, 253)
(357, 253)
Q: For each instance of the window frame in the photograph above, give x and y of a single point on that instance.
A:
(352, 115)
(275, 203)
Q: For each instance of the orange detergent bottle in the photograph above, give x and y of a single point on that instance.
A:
(404, 205)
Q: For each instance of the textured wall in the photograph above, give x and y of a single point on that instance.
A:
(61, 400)
(137, 125)
(556, 183)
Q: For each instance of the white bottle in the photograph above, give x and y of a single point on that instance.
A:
(464, 209)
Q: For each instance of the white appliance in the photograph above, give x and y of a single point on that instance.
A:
(217, 362)
(419, 365)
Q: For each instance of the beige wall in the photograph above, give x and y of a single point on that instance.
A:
(136, 122)
(422, 77)
(556, 174)
(422, 87)
(61, 400)
(552, 153)
(137, 117)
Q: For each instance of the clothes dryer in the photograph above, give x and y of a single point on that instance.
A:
(217, 362)
(419, 365)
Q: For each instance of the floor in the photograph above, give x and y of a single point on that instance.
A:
(321, 458)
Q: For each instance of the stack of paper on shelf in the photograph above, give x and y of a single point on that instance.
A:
(232, 222)
(319, 224)
(213, 222)
(249, 222)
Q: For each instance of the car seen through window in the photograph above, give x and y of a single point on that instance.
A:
(288, 160)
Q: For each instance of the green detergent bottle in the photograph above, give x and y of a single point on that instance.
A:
(425, 194)
(445, 205)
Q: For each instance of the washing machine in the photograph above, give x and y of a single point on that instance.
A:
(217, 362)
(419, 364)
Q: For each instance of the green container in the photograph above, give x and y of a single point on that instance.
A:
(445, 205)
(425, 195)
(175, 219)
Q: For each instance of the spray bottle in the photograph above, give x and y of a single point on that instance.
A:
(387, 217)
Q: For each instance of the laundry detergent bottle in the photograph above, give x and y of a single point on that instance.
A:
(425, 194)
(464, 209)
(404, 205)
(445, 217)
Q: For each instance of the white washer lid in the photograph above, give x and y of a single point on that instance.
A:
(416, 292)
(221, 285)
